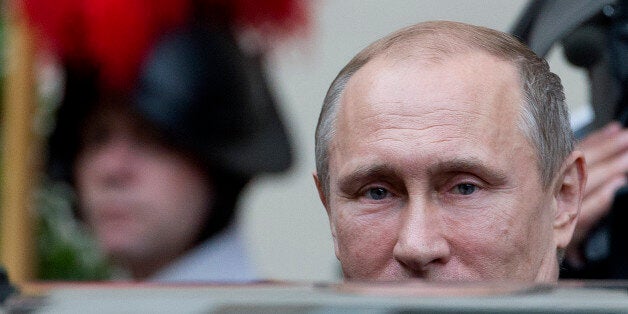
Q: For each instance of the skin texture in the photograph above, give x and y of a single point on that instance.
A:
(145, 202)
(431, 178)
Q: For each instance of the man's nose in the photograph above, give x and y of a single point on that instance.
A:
(420, 241)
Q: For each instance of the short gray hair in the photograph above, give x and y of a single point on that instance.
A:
(544, 118)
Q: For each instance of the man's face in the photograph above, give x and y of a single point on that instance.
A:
(146, 202)
(430, 176)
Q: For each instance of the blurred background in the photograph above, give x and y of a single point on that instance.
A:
(284, 224)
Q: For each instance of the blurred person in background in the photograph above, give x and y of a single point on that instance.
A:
(594, 36)
(164, 119)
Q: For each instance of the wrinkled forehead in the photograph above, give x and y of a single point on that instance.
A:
(469, 104)
(465, 95)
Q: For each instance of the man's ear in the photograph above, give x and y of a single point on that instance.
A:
(321, 193)
(568, 194)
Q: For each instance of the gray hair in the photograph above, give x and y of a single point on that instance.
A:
(544, 118)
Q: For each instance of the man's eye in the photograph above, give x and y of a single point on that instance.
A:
(465, 189)
(377, 193)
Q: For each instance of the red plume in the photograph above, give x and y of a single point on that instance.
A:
(115, 35)
(112, 35)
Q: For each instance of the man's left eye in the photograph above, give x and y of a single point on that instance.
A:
(465, 188)
(377, 193)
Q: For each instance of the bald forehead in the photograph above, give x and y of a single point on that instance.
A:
(481, 72)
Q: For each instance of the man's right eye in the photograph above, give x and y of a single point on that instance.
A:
(377, 193)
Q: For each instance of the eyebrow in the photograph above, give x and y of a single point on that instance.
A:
(472, 165)
(361, 173)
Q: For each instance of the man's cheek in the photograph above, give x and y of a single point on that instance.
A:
(486, 229)
(365, 245)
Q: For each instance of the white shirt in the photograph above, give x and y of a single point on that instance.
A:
(221, 258)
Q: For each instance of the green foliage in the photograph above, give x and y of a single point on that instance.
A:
(66, 250)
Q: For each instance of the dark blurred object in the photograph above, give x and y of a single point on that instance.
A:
(617, 220)
(6, 288)
(619, 54)
(594, 35)
(585, 28)
(585, 46)
(203, 91)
